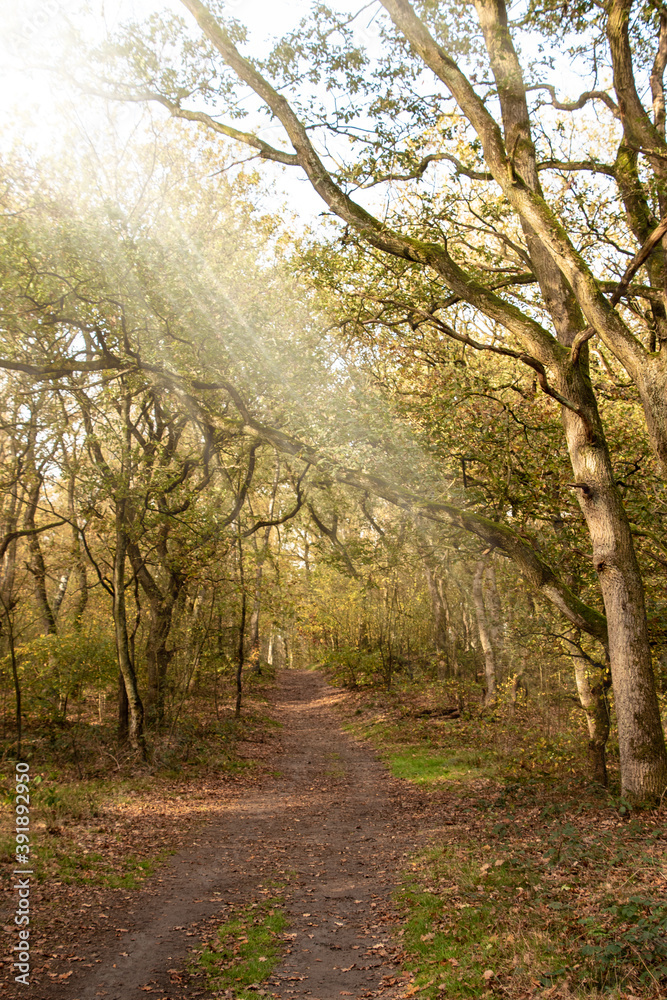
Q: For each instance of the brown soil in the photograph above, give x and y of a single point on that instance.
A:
(329, 824)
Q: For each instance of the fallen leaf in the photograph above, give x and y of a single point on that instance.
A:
(488, 974)
(427, 937)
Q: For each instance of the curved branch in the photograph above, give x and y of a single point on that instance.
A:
(24, 533)
(420, 169)
(240, 499)
(588, 95)
(519, 548)
(266, 151)
(286, 517)
(594, 166)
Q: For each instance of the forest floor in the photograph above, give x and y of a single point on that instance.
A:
(356, 843)
(318, 838)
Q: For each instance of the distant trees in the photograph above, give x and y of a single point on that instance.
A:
(119, 453)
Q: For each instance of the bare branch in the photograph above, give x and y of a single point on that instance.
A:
(588, 95)
(420, 169)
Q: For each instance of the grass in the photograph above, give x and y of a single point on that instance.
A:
(94, 869)
(244, 951)
(538, 883)
(425, 767)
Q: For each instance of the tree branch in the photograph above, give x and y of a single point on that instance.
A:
(588, 95)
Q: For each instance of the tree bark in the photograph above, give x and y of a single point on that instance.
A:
(439, 612)
(640, 732)
(240, 658)
(125, 665)
(494, 615)
(484, 632)
(594, 703)
(36, 566)
(123, 711)
(78, 561)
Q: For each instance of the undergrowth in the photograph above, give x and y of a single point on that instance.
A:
(92, 803)
(538, 883)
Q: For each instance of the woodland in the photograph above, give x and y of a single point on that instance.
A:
(346, 352)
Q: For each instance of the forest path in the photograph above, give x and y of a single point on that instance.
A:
(330, 826)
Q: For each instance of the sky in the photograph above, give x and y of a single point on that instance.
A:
(29, 26)
(36, 112)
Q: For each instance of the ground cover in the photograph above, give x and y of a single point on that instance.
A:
(244, 950)
(535, 882)
(512, 876)
(103, 823)
(313, 825)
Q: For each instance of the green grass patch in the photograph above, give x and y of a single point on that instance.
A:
(456, 943)
(54, 862)
(244, 951)
(474, 927)
(423, 766)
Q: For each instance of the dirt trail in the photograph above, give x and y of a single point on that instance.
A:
(331, 822)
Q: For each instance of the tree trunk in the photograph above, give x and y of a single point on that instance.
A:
(261, 553)
(126, 667)
(597, 717)
(255, 646)
(240, 658)
(484, 632)
(16, 680)
(123, 711)
(594, 703)
(161, 603)
(494, 614)
(517, 684)
(158, 658)
(78, 562)
(36, 565)
(640, 734)
(439, 612)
